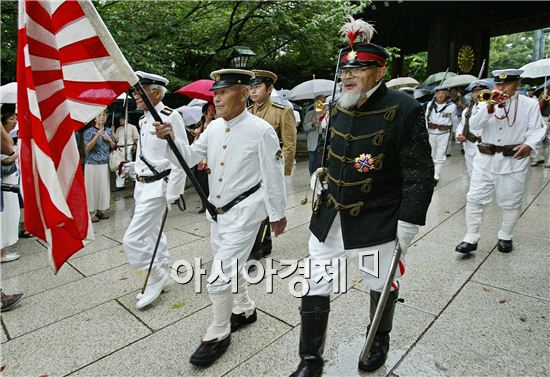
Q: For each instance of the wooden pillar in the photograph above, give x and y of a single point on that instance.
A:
(438, 46)
(397, 66)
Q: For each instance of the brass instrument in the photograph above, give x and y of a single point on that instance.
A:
(320, 106)
(491, 97)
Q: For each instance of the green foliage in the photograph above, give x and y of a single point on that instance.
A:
(514, 50)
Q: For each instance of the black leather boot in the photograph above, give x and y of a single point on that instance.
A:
(381, 343)
(314, 312)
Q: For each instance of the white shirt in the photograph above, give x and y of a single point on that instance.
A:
(442, 115)
(522, 126)
(241, 152)
(156, 152)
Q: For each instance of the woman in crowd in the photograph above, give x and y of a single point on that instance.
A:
(98, 143)
(201, 171)
(9, 202)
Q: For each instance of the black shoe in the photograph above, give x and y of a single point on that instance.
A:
(377, 354)
(9, 301)
(505, 246)
(209, 351)
(466, 247)
(240, 320)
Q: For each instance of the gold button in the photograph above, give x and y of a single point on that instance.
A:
(220, 179)
(225, 146)
(217, 196)
(227, 129)
(221, 163)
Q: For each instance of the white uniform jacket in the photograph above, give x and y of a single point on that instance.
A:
(460, 128)
(241, 153)
(156, 152)
(523, 125)
(442, 115)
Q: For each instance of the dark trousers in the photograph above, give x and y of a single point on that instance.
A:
(313, 164)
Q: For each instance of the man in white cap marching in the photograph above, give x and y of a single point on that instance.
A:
(159, 183)
(246, 185)
(439, 120)
(511, 126)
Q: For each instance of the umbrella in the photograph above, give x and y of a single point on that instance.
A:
(198, 89)
(277, 98)
(8, 93)
(460, 80)
(539, 68)
(190, 114)
(197, 102)
(436, 78)
(311, 89)
(401, 82)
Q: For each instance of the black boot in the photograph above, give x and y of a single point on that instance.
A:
(381, 343)
(314, 312)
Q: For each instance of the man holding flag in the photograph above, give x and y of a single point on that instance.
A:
(159, 184)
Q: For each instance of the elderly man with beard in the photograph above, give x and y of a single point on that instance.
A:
(375, 189)
(246, 186)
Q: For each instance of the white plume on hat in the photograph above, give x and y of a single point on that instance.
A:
(357, 30)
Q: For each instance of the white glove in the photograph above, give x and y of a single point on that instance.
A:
(170, 199)
(406, 233)
(129, 168)
(315, 183)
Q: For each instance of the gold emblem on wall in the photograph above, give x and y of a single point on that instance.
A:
(466, 58)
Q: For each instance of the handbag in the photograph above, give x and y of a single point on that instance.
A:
(115, 158)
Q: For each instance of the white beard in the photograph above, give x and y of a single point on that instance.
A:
(348, 100)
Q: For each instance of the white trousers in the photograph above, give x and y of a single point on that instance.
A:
(509, 190)
(439, 149)
(470, 151)
(231, 251)
(141, 236)
(321, 253)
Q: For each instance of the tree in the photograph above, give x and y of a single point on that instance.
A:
(513, 50)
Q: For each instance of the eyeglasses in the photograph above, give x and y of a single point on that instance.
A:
(353, 71)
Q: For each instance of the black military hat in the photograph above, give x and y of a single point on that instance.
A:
(361, 53)
(507, 75)
(224, 78)
(262, 76)
(150, 79)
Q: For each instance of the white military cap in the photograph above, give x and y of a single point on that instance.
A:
(149, 78)
(507, 75)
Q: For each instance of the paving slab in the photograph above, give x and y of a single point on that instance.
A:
(40, 280)
(56, 304)
(167, 352)
(95, 333)
(525, 270)
(345, 338)
(484, 332)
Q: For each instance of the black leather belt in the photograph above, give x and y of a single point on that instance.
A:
(238, 199)
(153, 178)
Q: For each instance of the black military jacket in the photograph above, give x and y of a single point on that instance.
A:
(380, 170)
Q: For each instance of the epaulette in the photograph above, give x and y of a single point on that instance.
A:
(167, 111)
(141, 117)
(278, 105)
(250, 107)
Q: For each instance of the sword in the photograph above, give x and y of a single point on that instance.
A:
(382, 303)
(155, 250)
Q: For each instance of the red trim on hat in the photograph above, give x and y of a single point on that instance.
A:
(365, 56)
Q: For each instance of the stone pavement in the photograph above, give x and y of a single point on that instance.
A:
(479, 315)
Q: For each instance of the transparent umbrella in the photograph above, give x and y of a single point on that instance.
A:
(8, 93)
(311, 89)
(536, 69)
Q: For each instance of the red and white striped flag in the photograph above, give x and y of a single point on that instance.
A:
(69, 69)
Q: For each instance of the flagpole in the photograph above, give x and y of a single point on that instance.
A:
(204, 199)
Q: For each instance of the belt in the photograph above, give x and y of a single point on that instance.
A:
(238, 199)
(506, 150)
(153, 178)
(433, 126)
(473, 138)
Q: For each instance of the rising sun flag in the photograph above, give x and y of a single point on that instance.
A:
(69, 69)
